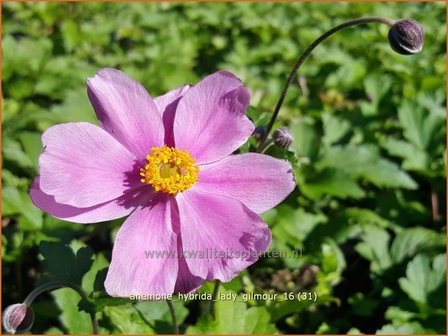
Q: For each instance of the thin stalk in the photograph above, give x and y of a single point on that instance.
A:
(50, 286)
(303, 57)
(214, 298)
(173, 316)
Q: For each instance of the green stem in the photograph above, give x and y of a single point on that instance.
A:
(214, 298)
(173, 316)
(50, 286)
(303, 57)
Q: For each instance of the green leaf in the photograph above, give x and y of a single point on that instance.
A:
(332, 264)
(375, 247)
(334, 128)
(421, 127)
(17, 202)
(425, 283)
(410, 328)
(54, 331)
(282, 153)
(75, 321)
(32, 145)
(396, 314)
(354, 331)
(127, 320)
(294, 225)
(257, 117)
(76, 107)
(414, 240)
(325, 328)
(348, 75)
(71, 33)
(16, 55)
(65, 261)
(234, 318)
(93, 279)
(414, 158)
(12, 151)
(363, 305)
(159, 312)
(365, 217)
(99, 300)
(306, 142)
(365, 162)
(330, 182)
(376, 86)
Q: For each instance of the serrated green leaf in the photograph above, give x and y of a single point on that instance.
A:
(363, 305)
(75, 321)
(421, 127)
(333, 260)
(127, 320)
(396, 314)
(17, 202)
(65, 261)
(365, 161)
(334, 128)
(414, 158)
(159, 312)
(414, 240)
(12, 151)
(330, 182)
(293, 225)
(282, 153)
(376, 86)
(354, 331)
(306, 142)
(375, 248)
(410, 328)
(94, 278)
(32, 145)
(234, 318)
(425, 282)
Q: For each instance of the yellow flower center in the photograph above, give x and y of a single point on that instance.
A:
(169, 170)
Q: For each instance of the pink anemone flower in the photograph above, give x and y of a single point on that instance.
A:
(166, 162)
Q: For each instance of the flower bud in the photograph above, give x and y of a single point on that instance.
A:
(283, 137)
(259, 132)
(18, 318)
(406, 37)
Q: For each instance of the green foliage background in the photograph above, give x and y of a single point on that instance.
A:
(369, 157)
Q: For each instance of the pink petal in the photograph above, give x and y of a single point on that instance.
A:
(186, 282)
(258, 181)
(133, 270)
(83, 165)
(114, 209)
(220, 236)
(126, 110)
(210, 121)
(167, 105)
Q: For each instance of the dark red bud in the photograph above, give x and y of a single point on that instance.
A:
(259, 132)
(283, 137)
(406, 37)
(18, 318)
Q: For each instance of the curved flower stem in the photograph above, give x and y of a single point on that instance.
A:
(214, 298)
(50, 286)
(303, 57)
(173, 316)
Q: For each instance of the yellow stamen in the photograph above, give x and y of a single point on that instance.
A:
(169, 170)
